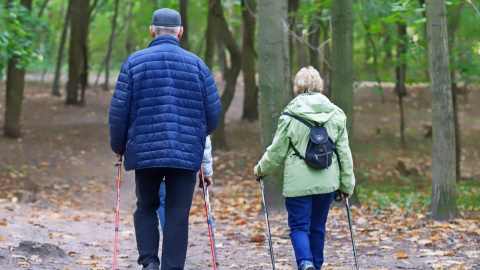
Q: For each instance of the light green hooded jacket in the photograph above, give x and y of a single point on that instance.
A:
(299, 179)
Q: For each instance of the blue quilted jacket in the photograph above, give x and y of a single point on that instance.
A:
(164, 105)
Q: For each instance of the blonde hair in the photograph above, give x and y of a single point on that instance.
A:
(307, 80)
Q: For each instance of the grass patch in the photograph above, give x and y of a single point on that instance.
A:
(381, 198)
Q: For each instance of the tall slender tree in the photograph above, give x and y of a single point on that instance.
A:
(342, 58)
(63, 39)
(110, 45)
(77, 74)
(275, 90)
(400, 74)
(443, 205)
(184, 14)
(342, 63)
(453, 22)
(14, 89)
(219, 140)
(250, 101)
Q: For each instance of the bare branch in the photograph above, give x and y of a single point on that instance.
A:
(303, 41)
(473, 6)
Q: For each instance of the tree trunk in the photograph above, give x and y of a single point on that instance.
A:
(295, 47)
(443, 204)
(14, 97)
(327, 68)
(250, 101)
(313, 39)
(42, 8)
(342, 64)
(221, 55)
(374, 48)
(453, 22)
(219, 139)
(210, 36)
(400, 73)
(58, 68)
(77, 55)
(275, 89)
(184, 14)
(110, 46)
(128, 35)
(14, 92)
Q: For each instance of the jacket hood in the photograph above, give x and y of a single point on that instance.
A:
(312, 106)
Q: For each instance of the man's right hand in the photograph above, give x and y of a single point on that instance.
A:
(209, 181)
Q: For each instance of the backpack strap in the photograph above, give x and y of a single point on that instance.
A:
(295, 150)
(338, 159)
(301, 120)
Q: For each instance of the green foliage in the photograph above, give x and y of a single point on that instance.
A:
(415, 199)
(17, 34)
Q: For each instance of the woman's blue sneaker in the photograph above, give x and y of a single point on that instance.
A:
(306, 265)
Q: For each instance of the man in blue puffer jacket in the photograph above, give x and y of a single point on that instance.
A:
(164, 105)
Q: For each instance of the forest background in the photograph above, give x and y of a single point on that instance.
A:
(69, 53)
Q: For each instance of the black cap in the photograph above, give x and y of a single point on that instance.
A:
(166, 17)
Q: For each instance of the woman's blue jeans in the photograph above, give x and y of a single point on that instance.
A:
(307, 217)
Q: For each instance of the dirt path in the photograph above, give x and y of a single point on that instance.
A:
(58, 187)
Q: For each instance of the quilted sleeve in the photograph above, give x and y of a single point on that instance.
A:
(212, 103)
(120, 111)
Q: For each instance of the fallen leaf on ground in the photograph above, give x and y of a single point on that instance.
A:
(257, 238)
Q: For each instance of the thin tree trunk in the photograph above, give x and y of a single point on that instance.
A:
(15, 85)
(184, 14)
(128, 36)
(100, 71)
(42, 8)
(292, 23)
(313, 39)
(373, 46)
(342, 64)
(275, 89)
(326, 68)
(443, 205)
(250, 101)
(110, 46)
(210, 36)
(14, 98)
(452, 26)
(221, 55)
(58, 68)
(77, 55)
(219, 139)
(400, 73)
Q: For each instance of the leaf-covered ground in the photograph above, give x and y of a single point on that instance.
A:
(58, 190)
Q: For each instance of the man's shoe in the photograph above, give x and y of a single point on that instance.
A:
(306, 265)
(153, 266)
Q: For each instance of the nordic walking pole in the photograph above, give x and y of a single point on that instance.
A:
(266, 220)
(351, 232)
(117, 218)
(338, 198)
(208, 213)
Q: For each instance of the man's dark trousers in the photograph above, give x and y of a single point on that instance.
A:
(180, 185)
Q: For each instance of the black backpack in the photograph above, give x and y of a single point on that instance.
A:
(320, 147)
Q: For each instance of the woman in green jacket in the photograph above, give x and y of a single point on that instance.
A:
(309, 192)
